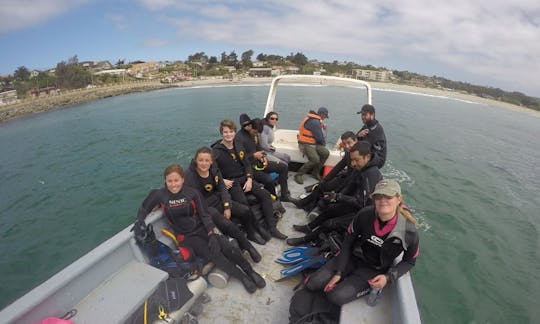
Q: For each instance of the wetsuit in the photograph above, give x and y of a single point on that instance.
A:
(251, 146)
(370, 248)
(188, 215)
(377, 139)
(218, 199)
(234, 165)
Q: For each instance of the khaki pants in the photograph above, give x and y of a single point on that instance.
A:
(316, 155)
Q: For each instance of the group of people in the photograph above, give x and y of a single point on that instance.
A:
(353, 199)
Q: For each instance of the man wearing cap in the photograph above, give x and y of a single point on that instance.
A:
(312, 144)
(373, 132)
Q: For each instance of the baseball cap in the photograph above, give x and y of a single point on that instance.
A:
(367, 108)
(387, 187)
(323, 111)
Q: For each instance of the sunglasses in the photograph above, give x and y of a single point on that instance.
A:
(274, 118)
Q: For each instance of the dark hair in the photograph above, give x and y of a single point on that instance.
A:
(348, 134)
(363, 148)
(226, 123)
(270, 114)
(173, 168)
(204, 149)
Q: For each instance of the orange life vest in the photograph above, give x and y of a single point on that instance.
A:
(304, 134)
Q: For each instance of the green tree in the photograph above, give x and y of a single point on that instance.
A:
(212, 60)
(199, 57)
(298, 59)
(246, 59)
(21, 74)
(71, 75)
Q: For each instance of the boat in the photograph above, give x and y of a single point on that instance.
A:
(111, 283)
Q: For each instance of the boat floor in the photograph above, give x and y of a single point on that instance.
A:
(234, 304)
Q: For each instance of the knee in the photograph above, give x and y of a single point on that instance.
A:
(342, 294)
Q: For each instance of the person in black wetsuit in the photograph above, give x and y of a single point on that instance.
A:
(248, 136)
(231, 160)
(207, 179)
(188, 216)
(340, 207)
(377, 235)
(373, 132)
(335, 179)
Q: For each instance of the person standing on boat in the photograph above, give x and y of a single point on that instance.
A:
(231, 160)
(377, 235)
(373, 132)
(338, 208)
(248, 136)
(188, 215)
(203, 176)
(312, 144)
(266, 139)
(335, 179)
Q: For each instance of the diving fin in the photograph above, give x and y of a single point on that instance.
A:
(314, 263)
(311, 187)
(297, 254)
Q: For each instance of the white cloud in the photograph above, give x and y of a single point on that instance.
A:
(155, 42)
(490, 40)
(18, 14)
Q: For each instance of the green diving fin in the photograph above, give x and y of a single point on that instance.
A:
(297, 254)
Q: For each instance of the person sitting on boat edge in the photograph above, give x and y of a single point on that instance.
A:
(335, 179)
(312, 144)
(377, 235)
(373, 132)
(338, 208)
(266, 139)
(230, 158)
(249, 138)
(188, 215)
(203, 176)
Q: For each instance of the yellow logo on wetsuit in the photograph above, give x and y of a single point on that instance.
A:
(208, 187)
(241, 153)
(216, 179)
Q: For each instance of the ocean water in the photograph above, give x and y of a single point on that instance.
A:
(72, 178)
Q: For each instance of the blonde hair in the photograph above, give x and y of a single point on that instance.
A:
(406, 214)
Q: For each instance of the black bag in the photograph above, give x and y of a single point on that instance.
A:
(312, 307)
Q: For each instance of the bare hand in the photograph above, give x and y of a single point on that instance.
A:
(364, 132)
(248, 185)
(332, 283)
(228, 183)
(258, 155)
(378, 282)
(227, 213)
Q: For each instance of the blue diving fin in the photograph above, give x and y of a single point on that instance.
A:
(297, 254)
(314, 263)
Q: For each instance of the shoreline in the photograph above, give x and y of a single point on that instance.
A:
(79, 96)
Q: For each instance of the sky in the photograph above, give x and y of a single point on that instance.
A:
(492, 43)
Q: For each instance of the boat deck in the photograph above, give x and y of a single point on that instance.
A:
(234, 304)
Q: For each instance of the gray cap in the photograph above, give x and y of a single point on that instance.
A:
(323, 111)
(387, 187)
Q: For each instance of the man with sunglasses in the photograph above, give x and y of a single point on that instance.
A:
(373, 132)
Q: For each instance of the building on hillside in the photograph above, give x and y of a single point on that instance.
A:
(141, 70)
(8, 97)
(381, 76)
(292, 70)
(260, 72)
(112, 72)
(95, 66)
(259, 64)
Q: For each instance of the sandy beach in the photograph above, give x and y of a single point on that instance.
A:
(79, 96)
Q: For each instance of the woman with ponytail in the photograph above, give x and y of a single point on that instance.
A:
(377, 235)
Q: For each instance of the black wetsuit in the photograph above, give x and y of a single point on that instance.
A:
(218, 199)
(377, 139)
(188, 215)
(251, 146)
(234, 165)
(369, 249)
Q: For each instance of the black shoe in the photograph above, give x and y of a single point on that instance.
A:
(299, 203)
(295, 241)
(265, 234)
(257, 238)
(257, 279)
(277, 234)
(302, 228)
(249, 284)
(254, 254)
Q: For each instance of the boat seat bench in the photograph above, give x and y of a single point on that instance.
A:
(117, 298)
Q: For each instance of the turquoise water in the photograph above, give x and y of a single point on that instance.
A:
(72, 178)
